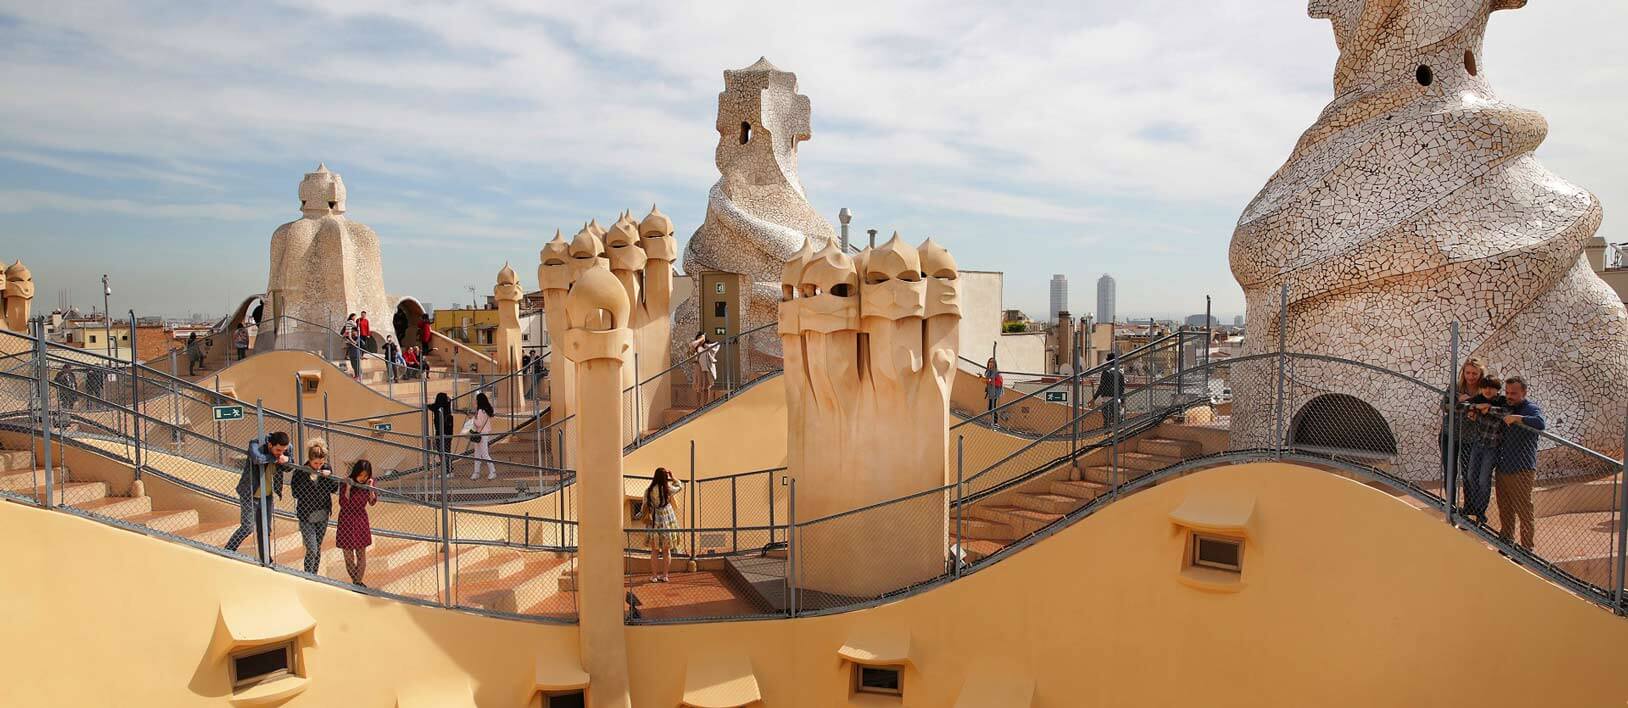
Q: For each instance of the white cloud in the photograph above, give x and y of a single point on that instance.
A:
(954, 114)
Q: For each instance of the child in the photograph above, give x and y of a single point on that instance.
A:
(1485, 431)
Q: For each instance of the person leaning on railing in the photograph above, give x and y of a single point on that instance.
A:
(313, 490)
(1518, 462)
(263, 469)
(1484, 430)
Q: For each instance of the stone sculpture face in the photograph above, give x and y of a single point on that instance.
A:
(322, 193)
(597, 292)
(656, 236)
(19, 282)
(828, 293)
(586, 251)
(791, 280)
(892, 288)
(554, 264)
(622, 245)
(943, 295)
(508, 286)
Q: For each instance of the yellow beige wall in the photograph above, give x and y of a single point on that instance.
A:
(1351, 598)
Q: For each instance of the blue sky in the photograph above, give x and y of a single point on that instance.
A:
(163, 143)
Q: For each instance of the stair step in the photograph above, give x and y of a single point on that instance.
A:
(1130, 459)
(1082, 490)
(21, 480)
(168, 521)
(118, 507)
(536, 585)
(1593, 496)
(1022, 521)
(1169, 447)
(1048, 503)
(985, 529)
(418, 578)
(74, 493)
(15, 460)
(498, 565)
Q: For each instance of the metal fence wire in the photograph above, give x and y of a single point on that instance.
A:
(1035, 463)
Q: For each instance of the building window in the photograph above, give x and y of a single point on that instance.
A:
(1217, 552)
(885, 680)
(262, 664)
(564, 699)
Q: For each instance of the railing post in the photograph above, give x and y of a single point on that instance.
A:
(1622, 525)
(299, 419)
(135, 400)
(734, 517)
(638, 401)
(1449, 466)
(1118, 393)
(960, 495)
(1283, 366)
(424, 432)
(43, 385)
(262, 539)
(537, 436)
(791, 546)
(695, 500)
(220, 450)
(175, 415)
(771, 486)
(446, 534)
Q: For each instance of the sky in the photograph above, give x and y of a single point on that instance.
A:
(163, 143)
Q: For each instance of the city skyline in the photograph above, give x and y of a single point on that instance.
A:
(468, 135)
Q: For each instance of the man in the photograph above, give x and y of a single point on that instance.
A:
(425, 335)
(240, 341)
(194, 354)
(1517, 465)
(263, 470)
(365, 331)
(1111, 385)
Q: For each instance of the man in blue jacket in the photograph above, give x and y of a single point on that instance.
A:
(262, 477)
(1518, 462)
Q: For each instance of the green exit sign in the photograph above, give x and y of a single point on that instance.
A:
(1057, 397)
(228, 412)
(384, 427)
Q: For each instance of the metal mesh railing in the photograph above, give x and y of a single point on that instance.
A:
(295, 518)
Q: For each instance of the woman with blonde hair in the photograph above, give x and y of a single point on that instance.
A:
(313, 489)
(1453, 413)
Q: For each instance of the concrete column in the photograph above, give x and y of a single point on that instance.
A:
(597, 352)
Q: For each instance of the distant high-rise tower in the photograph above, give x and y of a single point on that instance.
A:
(1105, 298)
(1059, 296)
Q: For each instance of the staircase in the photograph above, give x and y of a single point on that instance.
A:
(994, 522)
(489, 577)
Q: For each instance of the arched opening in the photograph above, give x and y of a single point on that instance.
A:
(1469, 61)
(405, 322)
(746, 133)
(1336, 422)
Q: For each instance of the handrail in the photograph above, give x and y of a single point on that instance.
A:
(692, 357)
(150, 420)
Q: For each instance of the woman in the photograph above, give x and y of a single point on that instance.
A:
(355, 533)
(313, 501)
(992, 384)
(409, 359)
(1469, 382)
(479, 429)
(662, 516)
(441, 420)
